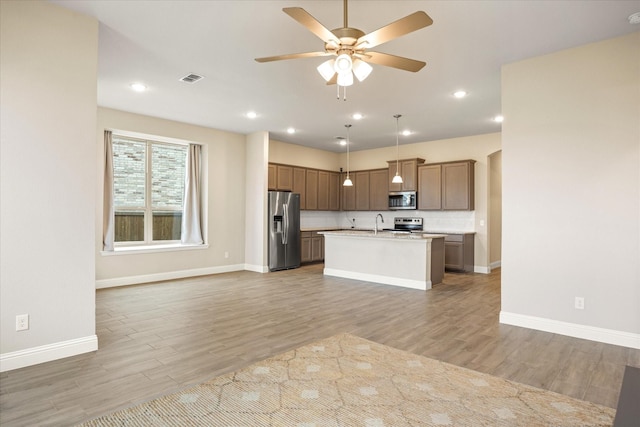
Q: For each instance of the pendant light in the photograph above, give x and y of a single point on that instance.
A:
(397, 179)
(347, 182)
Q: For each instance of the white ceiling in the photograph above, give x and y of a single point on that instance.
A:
(158, 42)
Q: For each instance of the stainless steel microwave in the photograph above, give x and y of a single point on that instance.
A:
(403, 200)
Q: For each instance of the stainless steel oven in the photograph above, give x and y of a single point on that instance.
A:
(399, 200)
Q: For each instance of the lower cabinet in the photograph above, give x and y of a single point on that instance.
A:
(458, 252)
(311, 246)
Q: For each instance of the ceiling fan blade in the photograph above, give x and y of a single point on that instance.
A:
(293, 56)
(311, 23)
(333, 80)
(392, 61)
(402, 26)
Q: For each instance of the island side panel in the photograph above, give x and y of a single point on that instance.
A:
(391, 261)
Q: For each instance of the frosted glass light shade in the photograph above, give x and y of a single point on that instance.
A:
(397, 179)
(326, 69)
(342, 63)
(345, 79)
(347, 182)
(361, 69)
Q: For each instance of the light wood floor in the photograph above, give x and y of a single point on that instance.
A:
(161, 337)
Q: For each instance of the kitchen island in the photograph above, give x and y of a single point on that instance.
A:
(401, 259)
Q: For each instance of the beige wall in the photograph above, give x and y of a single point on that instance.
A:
(571, 190)
(224, 191)
(495, 208)
(291, 154)
(49, 58)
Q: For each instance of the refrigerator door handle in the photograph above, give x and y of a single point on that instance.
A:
(285, 232)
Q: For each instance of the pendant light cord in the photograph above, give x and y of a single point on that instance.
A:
(347, 126)
(397, 116)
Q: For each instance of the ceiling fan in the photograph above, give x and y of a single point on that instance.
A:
(350, 46)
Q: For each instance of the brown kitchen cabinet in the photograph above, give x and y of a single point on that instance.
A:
(459, 252)
(446, 186)
(328, 191)
(280, 177)
(430, 187)
(312, 246)
(408, 169)
(271, 181)
(348, 193)
(458, 186)
(334, 191)
(300, 185)
(362, 190)
(311, 187)
(379, 190)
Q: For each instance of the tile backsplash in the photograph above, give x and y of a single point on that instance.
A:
(441, 221)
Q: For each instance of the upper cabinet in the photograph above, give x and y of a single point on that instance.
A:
(300, 185)
(318, 189)
(408, 169)
(379, 190)
(430, 187)
(458, 186)
(446, 186)
(280, 177)
(328, 191)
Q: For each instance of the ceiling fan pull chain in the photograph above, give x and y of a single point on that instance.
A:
(338, 92)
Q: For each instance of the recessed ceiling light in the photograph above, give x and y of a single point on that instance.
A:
(291, 130)
(357, 116)
(138, 87)
(498, 119)
(341, 140)
(406, 132)
(634, 18)
(252, 114)
(460, 94)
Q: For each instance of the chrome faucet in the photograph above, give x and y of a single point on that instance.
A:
(382, 218)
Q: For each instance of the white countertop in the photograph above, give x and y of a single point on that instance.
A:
(382, 234)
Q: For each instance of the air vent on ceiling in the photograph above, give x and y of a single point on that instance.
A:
(191, 78)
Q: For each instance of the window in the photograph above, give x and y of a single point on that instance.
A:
(148, 190)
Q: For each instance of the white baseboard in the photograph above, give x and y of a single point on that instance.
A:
(481, 269)
(495, 264)
(375, 278)
(47, 353)
(256, 268)
(608, 336)
(171, 275)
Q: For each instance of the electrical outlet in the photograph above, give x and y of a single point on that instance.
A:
(579, 303)
(22, 322)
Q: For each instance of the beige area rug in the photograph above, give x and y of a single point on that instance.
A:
(349, 381)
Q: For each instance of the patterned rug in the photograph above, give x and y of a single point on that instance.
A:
(349, 381)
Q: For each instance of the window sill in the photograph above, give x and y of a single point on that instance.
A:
(151, 249)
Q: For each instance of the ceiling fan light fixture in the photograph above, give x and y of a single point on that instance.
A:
(361, 69)
(345, 79)
(343, 64)
(327, 70)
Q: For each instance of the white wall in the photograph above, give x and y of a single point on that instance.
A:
(49, 58)
(223, 189)
(571, 191)
(256, 202)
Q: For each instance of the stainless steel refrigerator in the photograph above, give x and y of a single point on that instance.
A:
(284, 230)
